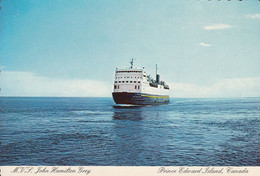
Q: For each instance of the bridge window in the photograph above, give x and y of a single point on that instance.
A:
(129, 72)
(119, 81)
(131, 81)
(126, 81)
(123, 81)
(115, 87)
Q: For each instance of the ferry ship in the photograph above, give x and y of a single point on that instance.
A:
(133, 86)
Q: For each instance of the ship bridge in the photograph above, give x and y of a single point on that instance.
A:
(128, 80)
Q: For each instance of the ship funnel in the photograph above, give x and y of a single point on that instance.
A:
(158, 78)
(157, 75)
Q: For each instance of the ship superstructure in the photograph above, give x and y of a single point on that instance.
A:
(134, 86)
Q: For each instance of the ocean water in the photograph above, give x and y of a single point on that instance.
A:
(91, 131)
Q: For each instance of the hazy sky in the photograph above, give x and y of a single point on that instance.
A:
(71, 48)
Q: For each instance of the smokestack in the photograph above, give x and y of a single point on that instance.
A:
(158, 78)
(157, 75)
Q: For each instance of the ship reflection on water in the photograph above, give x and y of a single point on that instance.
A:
(138, 134)
(134, 113)
(130, 136)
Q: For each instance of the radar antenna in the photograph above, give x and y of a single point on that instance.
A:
(132, 62)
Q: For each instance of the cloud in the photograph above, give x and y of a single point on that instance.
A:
(217, 27)
(2, 67)
(240, 87)
(14, 83)
(205, 44)
(253, 16)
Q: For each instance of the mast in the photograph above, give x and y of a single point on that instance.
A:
(156, 68)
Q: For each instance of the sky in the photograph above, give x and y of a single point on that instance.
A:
(71, 48)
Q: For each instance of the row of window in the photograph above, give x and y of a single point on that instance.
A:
(128, 81)
(117, 87)
(127, 77)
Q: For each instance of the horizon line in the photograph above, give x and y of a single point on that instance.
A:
(107, 97)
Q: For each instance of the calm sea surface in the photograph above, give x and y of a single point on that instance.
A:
(91, 131)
